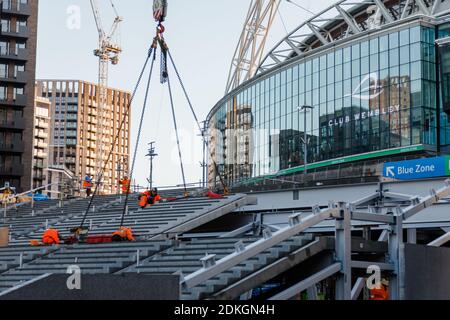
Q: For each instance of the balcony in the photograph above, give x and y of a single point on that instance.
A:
(42, 135)
(21, 55)
(42, 145)
(21, 33)
(12, 170)
(20, 77)
(41, 125)
(12, 147)
(16, 8)
(19, 101)
(13, 124)
(40, 155)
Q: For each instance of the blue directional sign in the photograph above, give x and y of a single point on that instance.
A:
(417, 169)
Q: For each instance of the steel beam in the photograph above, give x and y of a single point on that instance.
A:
(400, 196)
(307, 283)
(371, 217)
(432, 199)
(366, 199)
(317, 33)
(423, 6)
(384, 11)
(278, 267)
(366, 264)
(349, 20)
(257, 247)
(358, 287)
(440, 241)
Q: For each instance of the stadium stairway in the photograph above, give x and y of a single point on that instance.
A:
(25, 227)
(186, 258)
(159, 222)
(98, 259)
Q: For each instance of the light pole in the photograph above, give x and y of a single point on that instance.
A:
(305, 110)
(151, 154)
(204, 164)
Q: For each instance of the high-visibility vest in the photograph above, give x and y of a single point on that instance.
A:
(143, 200)
(50, 237)
(87, 184)
(125, 184)
(124, 233)
(379, 294)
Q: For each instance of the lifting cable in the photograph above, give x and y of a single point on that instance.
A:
(177, 135)
(202, 131)
(138, 138)
(116, 138)
(164, 78)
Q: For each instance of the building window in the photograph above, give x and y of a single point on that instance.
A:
(3, 70)
(6, 25)
(3, 93)
(19, 46)
(4, 47)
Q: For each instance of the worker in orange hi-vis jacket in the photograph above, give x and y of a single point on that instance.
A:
(51, 237)
(87, 184)
(125, 183)
(381, 293)
(123, 234)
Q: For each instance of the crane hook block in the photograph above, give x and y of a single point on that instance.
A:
(159, 10)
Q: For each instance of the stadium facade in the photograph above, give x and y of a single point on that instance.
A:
(374, 76)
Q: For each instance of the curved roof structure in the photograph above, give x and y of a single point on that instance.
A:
(347, 18)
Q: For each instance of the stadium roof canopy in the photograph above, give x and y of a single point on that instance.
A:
(347, 18)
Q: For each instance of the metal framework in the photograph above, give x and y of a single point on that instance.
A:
(382, 208)
(108, 51)
(250, 49)
(344, 19)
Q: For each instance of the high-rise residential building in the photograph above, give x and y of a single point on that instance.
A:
(17, 78)
(74, 130)
(41, 141)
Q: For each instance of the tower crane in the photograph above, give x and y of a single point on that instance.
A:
(250, 48)
(108, 51)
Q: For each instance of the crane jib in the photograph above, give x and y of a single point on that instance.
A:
(160, 10)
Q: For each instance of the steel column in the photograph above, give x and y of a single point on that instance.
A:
(343, 253)
(396, 254)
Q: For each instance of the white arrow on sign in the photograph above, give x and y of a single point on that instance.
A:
(390, 172)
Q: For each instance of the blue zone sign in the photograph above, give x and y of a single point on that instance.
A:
(417, 169)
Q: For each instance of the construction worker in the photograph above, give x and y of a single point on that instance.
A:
(382, 293)
(156, 197)
(125, 183)
(144, 199)
(87, 184)
(51, 237)
(123, 234)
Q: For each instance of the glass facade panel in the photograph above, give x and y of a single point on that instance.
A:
(376, 94)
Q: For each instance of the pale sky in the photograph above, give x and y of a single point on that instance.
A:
(202, 36)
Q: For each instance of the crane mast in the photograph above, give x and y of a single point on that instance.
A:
(250, 49)
(108, 51)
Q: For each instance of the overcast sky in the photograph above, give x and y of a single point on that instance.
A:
(202, 36)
